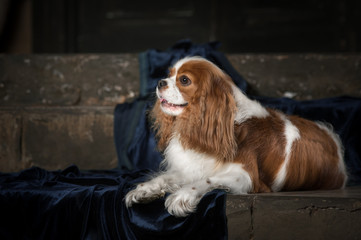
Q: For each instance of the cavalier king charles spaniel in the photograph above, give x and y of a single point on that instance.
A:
(214, 137)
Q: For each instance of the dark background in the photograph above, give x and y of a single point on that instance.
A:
(115, 26)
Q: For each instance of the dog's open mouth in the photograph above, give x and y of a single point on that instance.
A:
(167, 104)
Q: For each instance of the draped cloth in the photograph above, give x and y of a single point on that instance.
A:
(73, 204)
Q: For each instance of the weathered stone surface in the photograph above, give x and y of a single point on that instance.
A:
(296, 215)
(68, 80)
(304, 77)
(54, 138)
(239, 216)
(11, 142)
(108, 79)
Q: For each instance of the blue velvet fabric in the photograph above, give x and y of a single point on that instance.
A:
(73, 204)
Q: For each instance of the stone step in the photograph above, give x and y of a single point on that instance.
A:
(68, 80)
(297, 215)
(109, 79)
(56, 137)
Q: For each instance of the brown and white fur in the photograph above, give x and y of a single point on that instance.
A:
(213, 136)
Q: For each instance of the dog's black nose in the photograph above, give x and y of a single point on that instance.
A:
(162, 83)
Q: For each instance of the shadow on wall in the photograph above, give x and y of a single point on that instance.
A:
(15, 26)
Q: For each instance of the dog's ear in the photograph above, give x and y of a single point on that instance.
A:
(211, 129)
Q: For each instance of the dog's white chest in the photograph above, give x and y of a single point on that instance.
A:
(188, 162)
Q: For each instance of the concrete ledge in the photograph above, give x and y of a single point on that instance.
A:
(56, 137)
(68, 80)
(296, 215)
(108, 79)
(303, 76)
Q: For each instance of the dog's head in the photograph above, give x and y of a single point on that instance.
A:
(191, 82)
(198, 96)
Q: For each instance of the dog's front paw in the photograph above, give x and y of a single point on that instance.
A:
(143, 193)
(181, 203)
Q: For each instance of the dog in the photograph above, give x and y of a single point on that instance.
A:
(214, 137)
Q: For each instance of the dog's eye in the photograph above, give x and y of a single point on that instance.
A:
(185, 81)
